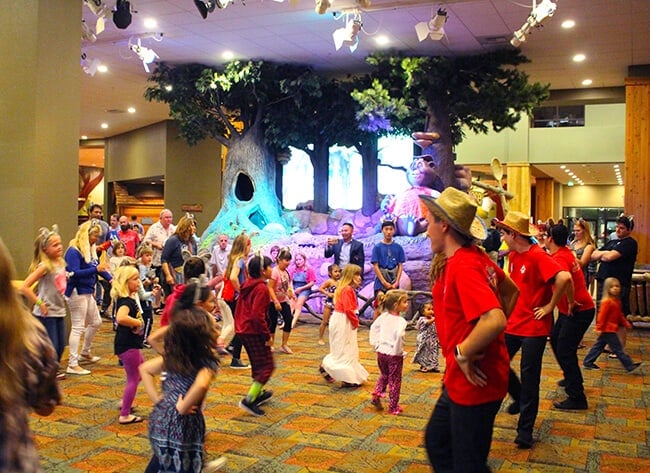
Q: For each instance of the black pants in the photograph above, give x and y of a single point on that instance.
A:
(236, 343)
(565, 338)
(458, 438)
(526, 391)
(272, 317)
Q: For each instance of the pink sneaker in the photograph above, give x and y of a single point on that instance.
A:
(398, 410)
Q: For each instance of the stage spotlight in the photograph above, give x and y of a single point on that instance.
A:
(122, 14)
(205, 7)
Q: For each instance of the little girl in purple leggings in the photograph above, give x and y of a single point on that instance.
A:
(129, 335)
(387, 336)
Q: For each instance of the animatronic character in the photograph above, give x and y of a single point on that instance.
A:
(424, 176)
(405, 207)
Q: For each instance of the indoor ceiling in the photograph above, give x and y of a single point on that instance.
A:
(612, 34)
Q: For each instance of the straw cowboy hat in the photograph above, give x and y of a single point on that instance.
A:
(458, 210)
(518, 222)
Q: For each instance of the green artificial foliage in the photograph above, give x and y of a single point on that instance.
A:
(445, 94)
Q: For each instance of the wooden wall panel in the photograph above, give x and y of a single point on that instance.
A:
(544, 198)
(519, 184)
(637, 161)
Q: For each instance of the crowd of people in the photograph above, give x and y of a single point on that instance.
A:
(234, 299)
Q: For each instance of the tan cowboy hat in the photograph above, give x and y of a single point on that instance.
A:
(458, 210)
(518, 222)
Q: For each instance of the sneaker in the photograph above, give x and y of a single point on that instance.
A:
(263, 397)
(612, 356)
(591, 366)
(397, 411)
(237, 364)
(571, 404)
(251, 407)
(376, 400)
(214, 465)
(634, 366)
(513, 408)
(76, 370)
(83, 358)
(562, 383)
(60, 375)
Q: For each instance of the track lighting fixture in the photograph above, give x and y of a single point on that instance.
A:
(349, 34)
(545, 9)
(205, 7)
(146, 55)
(434, 27)
(122, 15)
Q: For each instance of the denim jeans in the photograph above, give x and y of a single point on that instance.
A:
(565, 338)
(611, 339)
(458, 438)
(526, 392)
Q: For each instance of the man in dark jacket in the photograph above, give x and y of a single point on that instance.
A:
(345, 250)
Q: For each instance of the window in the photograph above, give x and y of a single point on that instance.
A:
(559, 116)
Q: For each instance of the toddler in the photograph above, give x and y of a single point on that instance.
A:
(428, 346)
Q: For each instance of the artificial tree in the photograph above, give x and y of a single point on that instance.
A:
(445, 94)
(229, 105)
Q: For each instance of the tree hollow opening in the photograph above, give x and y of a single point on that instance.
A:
(244, 187)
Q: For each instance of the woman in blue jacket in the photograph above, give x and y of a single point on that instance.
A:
(83, 267)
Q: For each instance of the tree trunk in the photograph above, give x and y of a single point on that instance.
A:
(248, 188)
(441, 150)
(369, 151)
(320, 160)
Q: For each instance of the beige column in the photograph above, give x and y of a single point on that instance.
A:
(544, 198)
(39, 121)
(519, 184)
(637, 161)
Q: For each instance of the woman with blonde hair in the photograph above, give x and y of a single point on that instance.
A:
(233, 278)
(342, 363)
(583, 246)
(172, 254)
(28, 367)
(83, 266)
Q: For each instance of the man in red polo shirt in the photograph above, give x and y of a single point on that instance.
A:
(572, 322)
(542, 283)
(470, 323)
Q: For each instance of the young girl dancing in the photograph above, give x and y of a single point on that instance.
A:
(128, 335)
(428, 346)
(281, 291)
(610, 318)
(387, 336)
(327, 289)
(49, 305)
(342, 363)
(252, 327)
(176, 424)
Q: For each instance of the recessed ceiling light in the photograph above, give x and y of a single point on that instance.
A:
(566, 24)
(150, 23)
(104, 125)
(169, 88)
(579, 57)
(84, 137)
(102, 68)
(228, 55)
(562, 166)
(131, 109)
(587, 82)
(381, 40)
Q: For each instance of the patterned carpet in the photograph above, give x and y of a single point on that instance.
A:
(312, 426)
